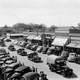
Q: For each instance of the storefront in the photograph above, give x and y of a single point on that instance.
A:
(15, 36)
(35, 39)
(30, 37)
(60, 41)
(47, 40)
(74, 46)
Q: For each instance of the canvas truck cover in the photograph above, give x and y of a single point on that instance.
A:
(51, 59)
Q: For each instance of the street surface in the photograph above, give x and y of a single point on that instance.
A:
(44, 67)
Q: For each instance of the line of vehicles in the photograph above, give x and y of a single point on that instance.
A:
(70, 56)
(10, 69)
(56, 60)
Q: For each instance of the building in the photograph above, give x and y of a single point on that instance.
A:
(62, 31)
(74, 33)
(61, 36)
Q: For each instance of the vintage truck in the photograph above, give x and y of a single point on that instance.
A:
(58, 64)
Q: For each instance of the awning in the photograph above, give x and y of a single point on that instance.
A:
(34, 37)
(59, 41)
(74, 45)
(37, 38)
(75, 38)
(78, 46)
(30, 37)
(16, 34)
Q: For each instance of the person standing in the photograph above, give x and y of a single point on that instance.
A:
(33, 68)
(43, 76)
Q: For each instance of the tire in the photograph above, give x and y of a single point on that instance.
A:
(64, 74)
(52, 69)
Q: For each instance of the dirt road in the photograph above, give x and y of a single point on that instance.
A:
(44, 67)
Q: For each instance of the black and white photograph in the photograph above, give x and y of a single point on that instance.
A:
(39, 39)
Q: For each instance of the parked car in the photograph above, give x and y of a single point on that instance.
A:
(39, 49)
(3, 56)
(10, 69)
(78, 59)
(10, 61)
(29, 46)
(22, 52)
(24, 44)
(58, 64)
(50, 50)
(7, 61)
(1, 62)
(20, 49)
(20, 72)
(21, 43)
(58, 51)
(72, 57)
(30, 76)
(15, 42)
(45, 49)
(34, 47)
(11, 48)
(7, 40)
(34, 57)
(2, 50)
(2, 44)
(15, 65)
(65, 54)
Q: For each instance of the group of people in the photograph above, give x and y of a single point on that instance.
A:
(42, 75)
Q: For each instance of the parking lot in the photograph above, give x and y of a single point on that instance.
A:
(43, 66)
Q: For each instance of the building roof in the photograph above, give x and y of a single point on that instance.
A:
(62, 30)
(18, 34)
(58, 41)
(74, 45)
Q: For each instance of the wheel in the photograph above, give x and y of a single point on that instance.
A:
(64, 74)
(52, 69)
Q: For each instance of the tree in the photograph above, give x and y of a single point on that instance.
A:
(42, 27)
(19, 26)
(78, 24)
(52, 28)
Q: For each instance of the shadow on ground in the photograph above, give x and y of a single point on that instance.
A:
(73, 76)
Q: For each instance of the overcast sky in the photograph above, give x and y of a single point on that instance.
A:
(57, 12)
